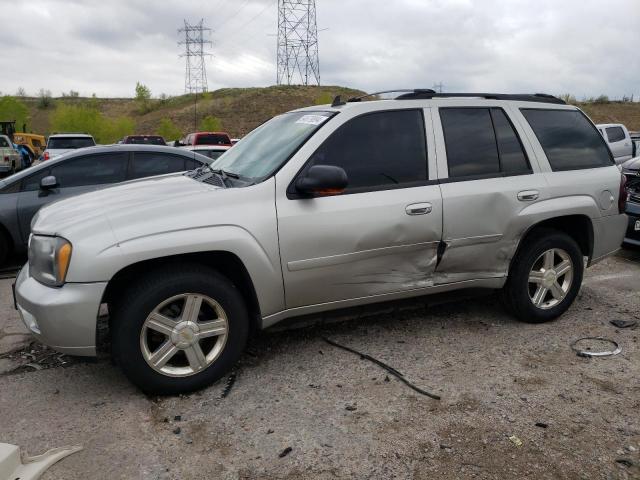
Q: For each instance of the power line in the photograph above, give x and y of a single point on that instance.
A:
(233, 15)
(297, 57)
(241, 27)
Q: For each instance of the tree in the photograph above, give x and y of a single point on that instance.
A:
(210, 124)
(169, 130)
(21, 92)
(44, 98)
(87, 118)
(142, 92)
(13, 109)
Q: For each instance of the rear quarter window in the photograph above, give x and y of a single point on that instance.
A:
(569, 140)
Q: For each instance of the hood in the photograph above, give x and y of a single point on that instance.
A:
(146, 199)
(632, 164)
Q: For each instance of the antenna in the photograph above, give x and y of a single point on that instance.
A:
(195, 79)
(297, 59)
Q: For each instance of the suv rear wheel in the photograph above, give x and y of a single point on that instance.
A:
(545, 277)
(179, 329)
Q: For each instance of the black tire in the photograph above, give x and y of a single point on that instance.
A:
(142, 296)
(516, 292)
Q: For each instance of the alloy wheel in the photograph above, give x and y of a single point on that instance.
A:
(550, 278)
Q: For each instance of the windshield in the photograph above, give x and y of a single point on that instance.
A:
(69, 143)
(270, 145)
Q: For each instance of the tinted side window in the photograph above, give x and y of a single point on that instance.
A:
(615, 134)
(470, 141)
(32, 183)
(149, 164)
(190, 164)
(91, 170)
(512, 156)
(569, 140)
(378, 150)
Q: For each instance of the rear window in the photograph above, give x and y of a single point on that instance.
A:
(212, 139)
(69, 143)
(615, 134)
(568, 138)
(3, 142)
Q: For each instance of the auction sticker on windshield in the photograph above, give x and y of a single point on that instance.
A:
(312, 119)
(637, 226)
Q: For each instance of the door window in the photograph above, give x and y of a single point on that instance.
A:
(615, 134)
(481, 142)
(568, 139)
(378, 150)
(91, 170)
(151, 163)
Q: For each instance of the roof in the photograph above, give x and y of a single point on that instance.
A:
(206, 147)
(70, 135)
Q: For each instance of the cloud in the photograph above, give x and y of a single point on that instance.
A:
(584, 47)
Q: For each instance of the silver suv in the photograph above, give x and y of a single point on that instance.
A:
(322, 208)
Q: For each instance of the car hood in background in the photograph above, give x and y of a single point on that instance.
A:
(632, 164)
(142, 200)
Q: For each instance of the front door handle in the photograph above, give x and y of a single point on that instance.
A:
(528, 195)
(418, 209)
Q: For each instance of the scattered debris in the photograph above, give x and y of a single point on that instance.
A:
(351, 408)
(516, 441)
(631, 448)
(388, 368)
(177, 430)
(624, 461)
(270, 431)
(623, 323)
(285, 452)
(12, 466)
(177, 418)
(231, 379)
(542, 424)
(444, 446)
(587, 352)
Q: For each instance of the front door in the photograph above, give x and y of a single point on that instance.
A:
(381, 235)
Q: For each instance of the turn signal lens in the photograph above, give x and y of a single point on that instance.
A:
(63, 259)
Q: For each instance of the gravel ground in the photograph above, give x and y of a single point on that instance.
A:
(516, 400)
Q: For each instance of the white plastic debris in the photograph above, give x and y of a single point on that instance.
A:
(13, 466)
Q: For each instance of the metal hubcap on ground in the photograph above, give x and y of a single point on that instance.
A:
(184, 335)
(550, 278)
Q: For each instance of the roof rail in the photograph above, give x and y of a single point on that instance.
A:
(407, 92)
(526, 97)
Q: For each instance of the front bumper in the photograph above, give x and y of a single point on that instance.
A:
(632, 236)
(63, 318)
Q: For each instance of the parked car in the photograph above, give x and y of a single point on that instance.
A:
(635, 141)
(234, 141)
(631, 168)
(35, 143)
(10, 159)
(211, 151)
(24, 193)
(144, 140)
(61, 143)
(206, 138)
(618, 139)
(322, 208)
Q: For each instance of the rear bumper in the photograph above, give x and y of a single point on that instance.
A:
(608, 233)
(63, 318)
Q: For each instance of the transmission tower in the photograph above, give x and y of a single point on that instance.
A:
(297, 43)
(195, 78)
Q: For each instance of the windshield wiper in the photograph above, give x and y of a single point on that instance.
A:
(223, 173)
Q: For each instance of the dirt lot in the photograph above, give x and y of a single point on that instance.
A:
(342, 416)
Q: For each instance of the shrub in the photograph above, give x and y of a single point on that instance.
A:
(44, 99)
(210, 124)
(13, 109)
(83, 118)
(169, 130)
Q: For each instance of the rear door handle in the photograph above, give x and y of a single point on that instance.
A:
(528, 195)
(418, 208)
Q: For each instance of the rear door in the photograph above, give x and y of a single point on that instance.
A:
(74, 176)
(619, 143)
(381, 235)
(486, 177)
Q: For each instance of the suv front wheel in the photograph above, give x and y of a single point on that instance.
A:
(545, 277)
(179, 329)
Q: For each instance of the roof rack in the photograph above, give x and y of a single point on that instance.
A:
(527, 97)
(415, 91)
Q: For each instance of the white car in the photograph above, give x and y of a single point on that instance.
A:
(211, 151)
(60, 143)
(617, 137)
(10, 160)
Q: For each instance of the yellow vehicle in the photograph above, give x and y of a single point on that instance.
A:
(35, 143)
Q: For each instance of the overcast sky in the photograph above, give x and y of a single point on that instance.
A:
(585, 47)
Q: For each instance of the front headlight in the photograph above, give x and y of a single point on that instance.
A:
(49, 259)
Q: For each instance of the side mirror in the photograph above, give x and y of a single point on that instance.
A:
(322, 180)
(48, 182)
